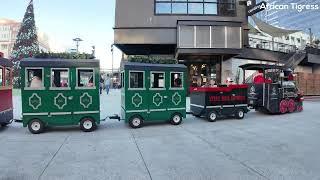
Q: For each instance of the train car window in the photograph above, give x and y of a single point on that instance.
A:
(136, 80)
(60, 78)
(34, 78)
(8, 77)
(176, 80)
(157, 80)
(1, 76)
(85, 78)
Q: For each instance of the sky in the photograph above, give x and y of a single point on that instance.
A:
(64, 20)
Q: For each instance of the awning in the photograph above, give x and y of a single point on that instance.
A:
(271, 30)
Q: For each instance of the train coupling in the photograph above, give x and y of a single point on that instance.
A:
(115, 116)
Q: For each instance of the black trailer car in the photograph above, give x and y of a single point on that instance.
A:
(214, 102)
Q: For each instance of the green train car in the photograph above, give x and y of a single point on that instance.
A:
(57, 92)
(153, 93)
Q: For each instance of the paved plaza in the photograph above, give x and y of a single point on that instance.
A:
(257, 147)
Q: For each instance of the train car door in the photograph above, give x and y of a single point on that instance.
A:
(61, 97)
(86, 94)
(136, 94)
(158, 96)
(176, 102)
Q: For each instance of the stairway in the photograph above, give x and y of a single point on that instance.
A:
(295, 60)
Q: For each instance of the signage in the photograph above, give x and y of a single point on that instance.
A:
(254, 9)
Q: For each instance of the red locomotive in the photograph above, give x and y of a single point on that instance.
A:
(271, 89)
(6, 109)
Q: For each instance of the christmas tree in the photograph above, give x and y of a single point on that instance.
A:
(27, 40)
(26, 44)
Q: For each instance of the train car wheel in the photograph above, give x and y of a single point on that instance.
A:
(87, 125)
(36, 126)
(239, 114)
(212, 116)
(176, 119)
(291, 106)
(136, 122)
(283, 106)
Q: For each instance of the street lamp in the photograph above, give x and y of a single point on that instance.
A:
(77, 40)
(112, 65)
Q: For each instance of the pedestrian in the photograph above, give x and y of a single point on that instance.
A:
(108, 83)
(101, 84)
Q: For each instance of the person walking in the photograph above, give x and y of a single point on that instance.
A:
(101, 84)
(108, 83)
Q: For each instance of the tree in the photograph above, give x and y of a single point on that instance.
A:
(26, 44)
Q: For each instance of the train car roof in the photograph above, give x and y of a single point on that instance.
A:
(5, 62)
(153, 67)
(49, 62)
(259, 66)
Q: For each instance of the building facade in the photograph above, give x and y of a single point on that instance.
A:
(289, 43)
(293, 14)
(8, 33)
(201, 34)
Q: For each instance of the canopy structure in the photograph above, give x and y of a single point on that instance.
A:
(271, 30)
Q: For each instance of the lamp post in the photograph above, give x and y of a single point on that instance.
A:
(112, 65)
(77, 40)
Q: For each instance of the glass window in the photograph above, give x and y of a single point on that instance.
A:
(157, 80)
(233, 37)
(218, 36)
(176, 80)
(179, 8)
(163, 8)
(136, 80)
(203, 36)
(1, 76)
(195, 8)
(186, 36)
(85, 78)
(34, 78)
(210, 8)
(60, 78)
(8, 77)
(199, 7)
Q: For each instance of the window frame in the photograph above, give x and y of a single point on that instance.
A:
(6, 78)
(26, 79)
(122, 77)
(182, 83)
(94, 78)
(144, 81)
(203, 2)
(60, 88)
(164, 78)
(1, 68)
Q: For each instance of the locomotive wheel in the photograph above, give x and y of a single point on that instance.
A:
(291, 106)
(36, 126)
(176, 119)
(136, 122)
(239, 114)
(283, 106)
(299, 108)
(87, 125)
(212, 116)
(4, 124)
